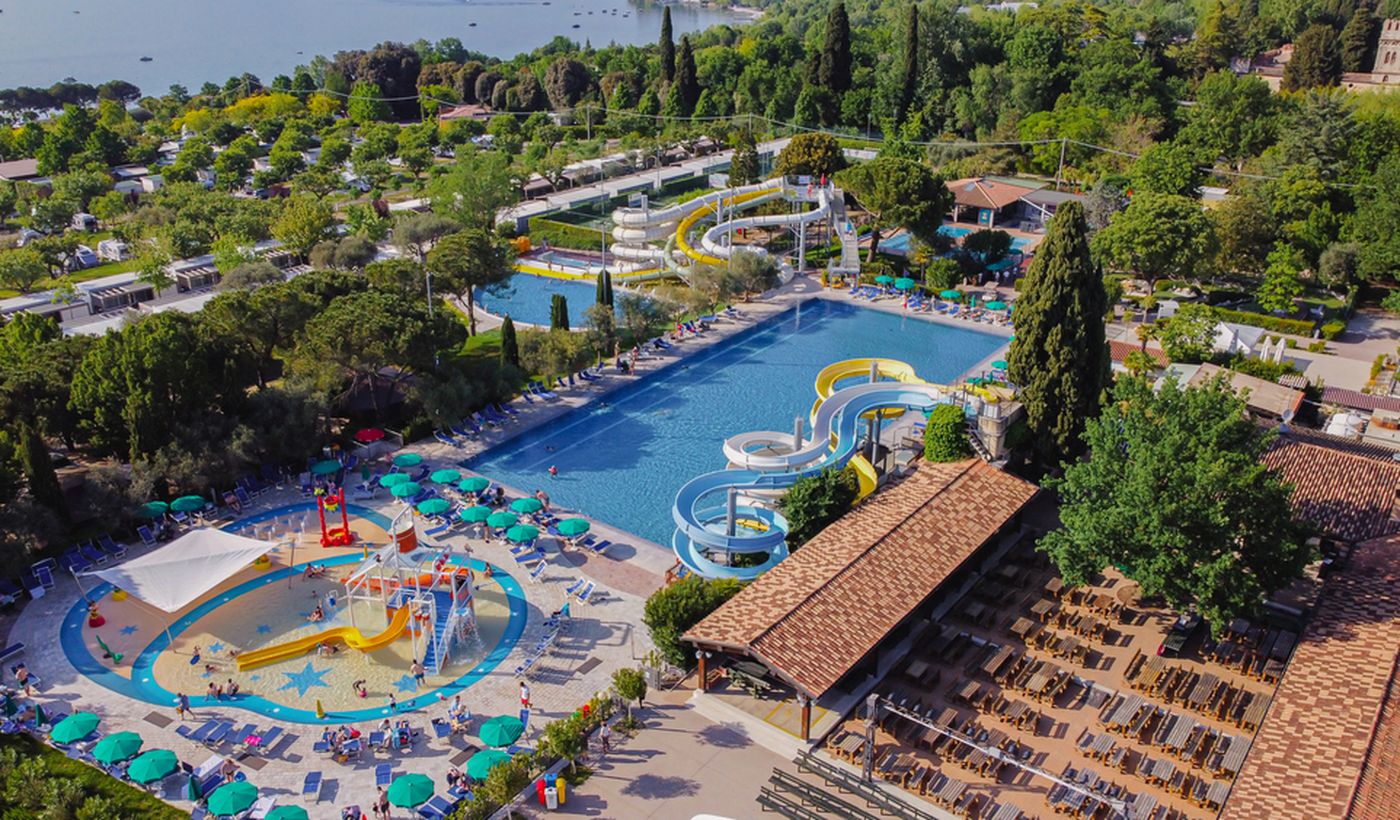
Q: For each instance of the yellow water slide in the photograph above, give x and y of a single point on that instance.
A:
(348, 635)
(683, 244)
(885, 369)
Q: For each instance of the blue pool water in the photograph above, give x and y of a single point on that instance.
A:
(526, 298)
(622, 460)
(900, 244)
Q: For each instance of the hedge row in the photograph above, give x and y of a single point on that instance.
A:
(563, 235)
(1294, 327)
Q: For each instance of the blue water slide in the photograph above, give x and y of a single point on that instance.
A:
(702, 518)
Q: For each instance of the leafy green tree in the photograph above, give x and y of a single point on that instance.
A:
(558, 312)
(1317, 59)
(414, 234)
(1245, 229)
(1373, 227)
(153, 269)
(899, 193)
(566, 81)
(567, 738)
(81, 187)
(1168, 168)
(945, 435)
(21, 268)
(667, 48)
(630, 684)
(251, 276)
(1188, 335)
(345, 253)
(942, 274)
(53, 214)
(234, 163)
(366, 104)
(752, 272)
(1281, 285)
(1338, 265)
(834, 73)
(1059, 357)
(672, 610)
(743, 168)
(477, 186)
(304, 221)
(1355, 43)
(469, 259)
(814, 502)
(1221, 540)
(811, 154)
(1102, 203)
(1159, 235)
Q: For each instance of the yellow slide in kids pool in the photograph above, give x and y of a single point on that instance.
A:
(348, 635)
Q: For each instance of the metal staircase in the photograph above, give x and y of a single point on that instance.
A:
(436, 653)
(849, 261)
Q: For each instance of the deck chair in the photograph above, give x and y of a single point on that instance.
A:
(311, 786)
(586, 593)
(112, 547)
(383, 774)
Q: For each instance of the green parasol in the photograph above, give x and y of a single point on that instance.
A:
(411, 790)
(951, 294)
(188, 503)
(572, 527)
(152, 766)
(287, 813)
(995, 304)
(527, 505)
(904, 283)
(884, 279)
(152, 509)
(435, 506)
(522, 533)
(446, 476)
(406, 489)
(483, 762)
(327, 467)
(501, 520)
(232, 798)
(476, 515)
(393, 478)
(999, 364)
(474, 484)
(407, 460)
(502, 730)
(117, 747)
(75, 727)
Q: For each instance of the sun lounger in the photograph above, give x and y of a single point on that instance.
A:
(219, 733)
(480, 422)
(586, 376)
(322, 747)
(525, 394)
(574, 587)
(112, 547)
(543, 393)
(538, 571)
(598, 547)
(471, 425)
(444, 438)
(199, 735)
(73, 561)
(383, 774)
(507, 410)
(493, 416)
(529, 556)
(311, 786)
(586, 593)
(436, 808)
(422, 473)
(93, 554)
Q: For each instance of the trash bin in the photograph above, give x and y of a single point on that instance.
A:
(559, 787)
(539, 789)
(551, 798)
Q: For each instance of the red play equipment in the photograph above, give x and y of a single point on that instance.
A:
(334, 536)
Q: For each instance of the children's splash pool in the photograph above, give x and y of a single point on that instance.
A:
(257, 609)
(526, 298)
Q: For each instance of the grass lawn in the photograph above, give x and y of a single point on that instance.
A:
(484, 345)
(77, 277)
(128, 800)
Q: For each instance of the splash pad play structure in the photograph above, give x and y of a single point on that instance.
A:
(726, 524)
(661, 242)
(403, 603)
(331, 503)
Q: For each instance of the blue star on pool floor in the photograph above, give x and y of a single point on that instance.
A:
(406, 684)
(306, 679)
(264, 629)
(216, 647)
(128, 630)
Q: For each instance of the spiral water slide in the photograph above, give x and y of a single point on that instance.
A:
(720, 512)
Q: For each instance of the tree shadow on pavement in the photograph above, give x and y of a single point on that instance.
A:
(653, 786)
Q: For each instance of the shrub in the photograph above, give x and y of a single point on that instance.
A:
(630, 684)
(1319, 346)
(1268, 371)
(815, 501)
(564, 235)
(1295, 327)
(1331, 330)
(945, 436)
(671, 610)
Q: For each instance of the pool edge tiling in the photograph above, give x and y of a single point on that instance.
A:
(143, 687)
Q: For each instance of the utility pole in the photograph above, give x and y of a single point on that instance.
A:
(1060, 172)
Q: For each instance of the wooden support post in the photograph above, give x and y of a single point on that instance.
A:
(806, 716)
(704, 671)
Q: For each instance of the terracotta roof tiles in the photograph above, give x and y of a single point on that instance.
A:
(1328, 746)
(818, 613)
(1345, 494)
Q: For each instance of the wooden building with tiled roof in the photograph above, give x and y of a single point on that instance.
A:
(820, 616)
(1329, 745)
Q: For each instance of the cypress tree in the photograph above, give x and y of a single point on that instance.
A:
(38, 471)
(558, 312)
(604, 295)
(1317, 59)
(1059, 358)
(687, 80)
(835, 70)
(743, 168)
(909, 72)
(668, 47)
(1356, 40)
(510, 348)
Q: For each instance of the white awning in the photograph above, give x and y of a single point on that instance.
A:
(178, 573)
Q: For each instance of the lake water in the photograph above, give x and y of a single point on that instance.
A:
(194, 41)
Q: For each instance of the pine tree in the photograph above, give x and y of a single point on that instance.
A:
(668, 47)
(687, 80)
(835, 71)
(743, 168)
(558, 312)
(1059, 358)
(1356, 40)
(510, 348)
(605, 289)
(909, 72)
(1316, 59)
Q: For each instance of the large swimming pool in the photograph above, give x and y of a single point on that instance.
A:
(526, 298)
(621, 460)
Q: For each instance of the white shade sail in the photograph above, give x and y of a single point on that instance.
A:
(178, 573)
